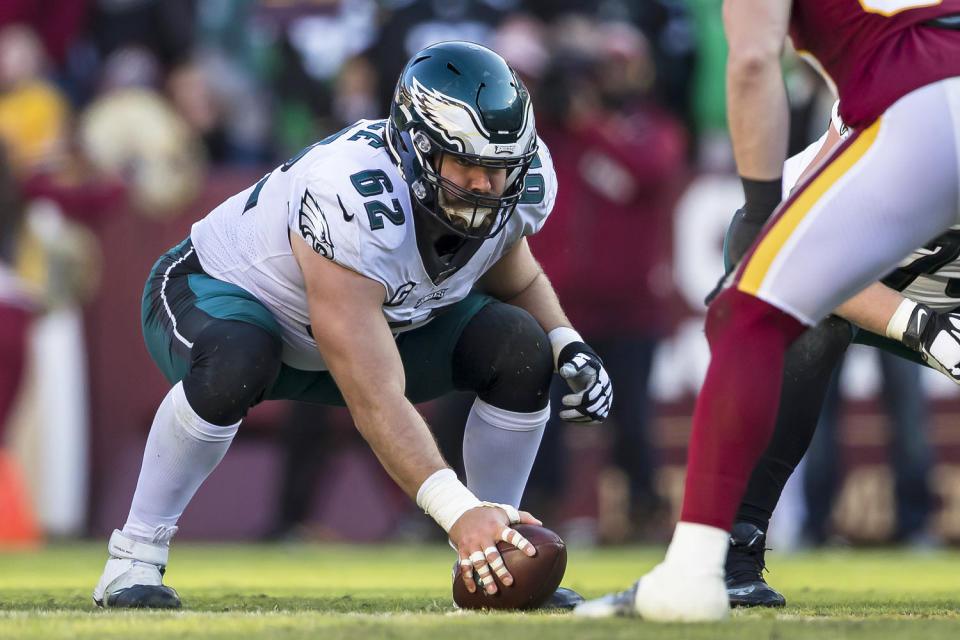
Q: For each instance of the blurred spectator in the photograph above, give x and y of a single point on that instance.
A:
(163, 27)
(223, 107)
(407, 26)
(133, 131)
(15, 306)
(621, 161)
(34, 115)
(669, 29)
(57, 22)
(316, 44)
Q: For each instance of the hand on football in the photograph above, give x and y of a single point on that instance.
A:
(584, 372)
(476, 533)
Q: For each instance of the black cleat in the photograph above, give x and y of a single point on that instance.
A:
(744, 569)
(145, 596)
(562, 598)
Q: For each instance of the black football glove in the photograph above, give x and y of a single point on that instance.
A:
(937, 337)
(592, 395)
(762, 196)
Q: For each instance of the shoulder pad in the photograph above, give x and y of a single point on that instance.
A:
(540, 191)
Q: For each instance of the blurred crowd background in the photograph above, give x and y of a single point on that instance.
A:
(123, 121)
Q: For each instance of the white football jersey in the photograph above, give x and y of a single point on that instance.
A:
(931, 274)
(347, 199)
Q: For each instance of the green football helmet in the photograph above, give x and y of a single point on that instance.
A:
(459, 101)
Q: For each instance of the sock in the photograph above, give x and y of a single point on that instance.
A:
(499, 448)
(698, 549)
(182, 449)
(737, 405)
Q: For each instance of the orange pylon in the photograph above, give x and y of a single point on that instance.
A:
(18, 524)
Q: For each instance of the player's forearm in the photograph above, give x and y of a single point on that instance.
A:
(401, 440)
(405, 447)
(872, 308)
(758, 117)
(540, 300)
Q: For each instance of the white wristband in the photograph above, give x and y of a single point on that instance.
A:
(445, 498)
(900, 319)
(561, 337)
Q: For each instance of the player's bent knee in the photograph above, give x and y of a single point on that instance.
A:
(232, 366)
(818, 349)
(504, 355)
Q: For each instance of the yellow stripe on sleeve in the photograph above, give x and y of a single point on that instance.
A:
(756, 269)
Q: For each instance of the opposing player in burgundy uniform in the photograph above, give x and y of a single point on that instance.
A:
(384, 265)
(891, 187)
(919, 323)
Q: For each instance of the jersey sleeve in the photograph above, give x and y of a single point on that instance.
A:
(794, 166)
(319, 214)
(540, 192)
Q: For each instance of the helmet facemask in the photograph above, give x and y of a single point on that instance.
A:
(465, 212)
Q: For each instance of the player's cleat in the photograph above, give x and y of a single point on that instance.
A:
(563, 598)
(133, 576)
(666, 594)
(610, 605)
(745, 566)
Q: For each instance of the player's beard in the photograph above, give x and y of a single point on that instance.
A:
(464, 216)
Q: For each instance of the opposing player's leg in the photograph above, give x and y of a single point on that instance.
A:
(220, 367)
(807, 368)
(888, 189)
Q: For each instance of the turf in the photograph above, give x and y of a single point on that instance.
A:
(310, 591)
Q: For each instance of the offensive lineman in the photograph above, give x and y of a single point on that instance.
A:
(889, 188)
(384, 265)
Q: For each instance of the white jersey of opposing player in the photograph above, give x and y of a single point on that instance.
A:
(931, 274)
(346, 198)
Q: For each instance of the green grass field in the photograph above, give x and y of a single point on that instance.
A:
(314, 591)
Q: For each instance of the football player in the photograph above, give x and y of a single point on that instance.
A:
(383, 266)
(920, 323)
(887, 189)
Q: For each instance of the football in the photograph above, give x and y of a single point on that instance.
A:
(534, 578)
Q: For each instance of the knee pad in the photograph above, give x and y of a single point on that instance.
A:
(505, 357)
(815, 354)
(232, 365)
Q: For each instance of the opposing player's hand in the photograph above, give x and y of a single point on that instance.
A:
(742, 233)
(592, 395)
(476, 533)
(939, 340)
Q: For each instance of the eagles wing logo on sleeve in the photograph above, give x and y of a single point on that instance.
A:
(314, 227)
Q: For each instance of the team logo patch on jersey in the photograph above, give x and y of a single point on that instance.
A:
(400, 295)
(314, 227)
(435, 295)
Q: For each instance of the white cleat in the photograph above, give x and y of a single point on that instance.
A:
(687, 586)
(668, 595)
(664, 595)
(133, 576)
